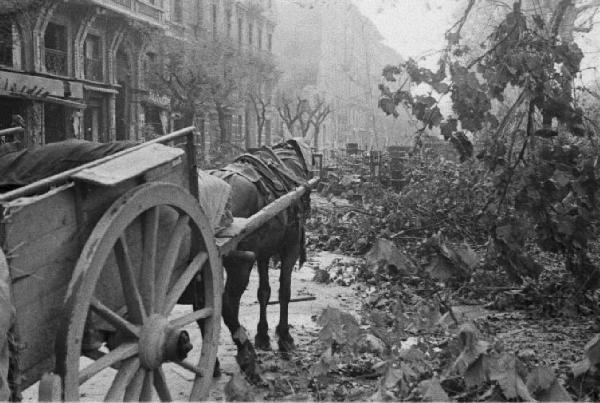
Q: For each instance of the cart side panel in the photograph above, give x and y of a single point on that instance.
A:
(43, 237)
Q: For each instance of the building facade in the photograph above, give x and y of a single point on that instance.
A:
(77, 69)
(343, 59)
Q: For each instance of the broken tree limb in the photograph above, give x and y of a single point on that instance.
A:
(299, 299)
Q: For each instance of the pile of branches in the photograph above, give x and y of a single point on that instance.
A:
(417, 354)
(438, 196)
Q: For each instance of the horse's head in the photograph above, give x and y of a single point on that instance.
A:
(303, 151)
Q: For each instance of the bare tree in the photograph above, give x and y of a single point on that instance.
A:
(200, 77)
(318, 119)
(260, 104)
(289, 111)
(314, 113)
(303, 114)
(263, 78)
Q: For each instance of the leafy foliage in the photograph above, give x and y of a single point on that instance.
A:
(453, 362)
(515, 103)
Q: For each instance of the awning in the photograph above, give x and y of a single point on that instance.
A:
(100, 89)
(50, 99)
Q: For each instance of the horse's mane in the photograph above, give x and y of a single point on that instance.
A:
(300, 148)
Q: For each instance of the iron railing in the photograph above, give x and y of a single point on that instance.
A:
(144, 8)
(56, 61)
(93, 69)
(149, 10)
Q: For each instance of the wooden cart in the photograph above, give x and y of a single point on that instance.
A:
(108, 244)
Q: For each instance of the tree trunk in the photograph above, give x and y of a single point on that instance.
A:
(188, 119)
(222, 118)
(316, 136)
(259, 132)
(290, 129)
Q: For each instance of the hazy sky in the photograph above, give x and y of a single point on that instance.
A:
(412, 27)
(417, 27)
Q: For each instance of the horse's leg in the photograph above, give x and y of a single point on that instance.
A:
(238, 275)
(262, 340)
(288, 260)
(198, 303)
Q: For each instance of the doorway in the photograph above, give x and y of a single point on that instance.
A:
(123, 98)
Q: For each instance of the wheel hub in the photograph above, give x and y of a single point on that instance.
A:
(160, 343)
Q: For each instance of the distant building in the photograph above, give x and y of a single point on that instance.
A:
(76, 69)
(339, 52)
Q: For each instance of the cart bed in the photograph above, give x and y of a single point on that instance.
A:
(42, 236)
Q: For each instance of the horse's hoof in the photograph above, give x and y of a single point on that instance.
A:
(262, 342)
(247, 360)
(286, 344)
(217, 369)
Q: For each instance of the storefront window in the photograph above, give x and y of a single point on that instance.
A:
(153, 127)
(55, 123)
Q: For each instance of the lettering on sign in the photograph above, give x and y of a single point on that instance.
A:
(13, 88)
(157, 99)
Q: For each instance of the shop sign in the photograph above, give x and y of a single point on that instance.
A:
(24, 89)
(160, 100)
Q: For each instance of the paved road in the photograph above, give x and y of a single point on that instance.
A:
(300, 318)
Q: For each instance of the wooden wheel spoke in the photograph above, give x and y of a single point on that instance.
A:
(152, 274)
(122, 380)
(148, 270)
(168, 263)
(113, 318)
(190, 367)
(182, 282)
(121, 353)
(134, 389)
(148, 388)
(160, 383)
(135, 307)
(192, 317)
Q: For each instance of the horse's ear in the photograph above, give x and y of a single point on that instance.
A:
(303, 150)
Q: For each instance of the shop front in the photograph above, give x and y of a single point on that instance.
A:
(157, 115)
(48, 108)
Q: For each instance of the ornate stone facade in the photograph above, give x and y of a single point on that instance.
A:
(80, 63)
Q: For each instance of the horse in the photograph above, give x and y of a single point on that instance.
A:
(282, 237)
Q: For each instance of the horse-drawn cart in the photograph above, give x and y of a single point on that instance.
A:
(112, 247)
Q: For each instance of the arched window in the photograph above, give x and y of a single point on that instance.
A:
(56, 46)
(93, 58)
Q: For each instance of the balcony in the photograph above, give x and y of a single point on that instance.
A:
(93, 70)
(148, 11)
(56, 62)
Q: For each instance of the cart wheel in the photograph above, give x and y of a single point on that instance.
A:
(7, 313)
(151, 336)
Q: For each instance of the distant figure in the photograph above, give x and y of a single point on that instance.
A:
(76, 122)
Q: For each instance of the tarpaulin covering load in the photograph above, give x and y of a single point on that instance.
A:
(20, 168)
(214, 197)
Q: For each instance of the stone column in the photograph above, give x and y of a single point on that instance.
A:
(114, 43)
(35, 125)
(79, 41)
(45, 14)
(112, 117)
